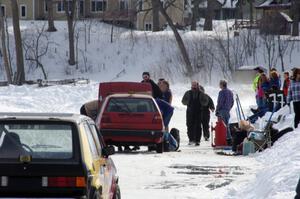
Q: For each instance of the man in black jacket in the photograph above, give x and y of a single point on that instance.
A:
(156, 92)
(205, 119)
(195, 100)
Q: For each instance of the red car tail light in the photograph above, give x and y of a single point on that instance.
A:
(105, 118)
(63, 182)
(157, 119)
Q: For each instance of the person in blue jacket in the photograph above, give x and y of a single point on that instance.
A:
(167, 112)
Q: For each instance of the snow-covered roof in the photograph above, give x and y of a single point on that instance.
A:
(287, 17)
(272, 3)
(228, 3)
(266, 3)
(250, 67)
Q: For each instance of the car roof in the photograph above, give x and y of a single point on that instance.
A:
(131, 96)
(70, 117)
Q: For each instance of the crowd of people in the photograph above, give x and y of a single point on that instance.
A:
(264, 85)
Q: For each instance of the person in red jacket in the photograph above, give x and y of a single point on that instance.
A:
(286, 84)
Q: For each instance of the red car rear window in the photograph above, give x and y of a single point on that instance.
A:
(131, 105)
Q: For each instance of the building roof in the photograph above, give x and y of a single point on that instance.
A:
(269, 4)
(228, 3)
(247, 68)
(287, 17)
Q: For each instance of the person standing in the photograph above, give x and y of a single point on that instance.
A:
(294, 95)
(166, 91)
(156, 93)
(286, 85)
(225, 104)
(205, 119)
(195, 100)
(259, 71)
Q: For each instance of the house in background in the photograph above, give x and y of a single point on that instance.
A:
(117, 11)
(223, 9)
(275, 18)
(145, 16)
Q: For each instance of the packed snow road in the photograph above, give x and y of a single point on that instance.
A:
(194, 172)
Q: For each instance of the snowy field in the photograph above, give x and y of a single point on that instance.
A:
(192, 173)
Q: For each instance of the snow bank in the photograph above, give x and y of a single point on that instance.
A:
(278, 179)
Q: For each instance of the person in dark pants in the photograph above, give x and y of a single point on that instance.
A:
(225, 104)
(298, 191)
(205, 118)
(294, 95)
(195, 100)
(156, 92)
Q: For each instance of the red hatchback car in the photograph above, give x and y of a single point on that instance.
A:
(131, 119)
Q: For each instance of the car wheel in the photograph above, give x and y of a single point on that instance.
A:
(160, 147)
(117, 194)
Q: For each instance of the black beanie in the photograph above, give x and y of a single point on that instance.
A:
(146, 73)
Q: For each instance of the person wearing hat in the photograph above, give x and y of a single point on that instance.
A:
(156, 92)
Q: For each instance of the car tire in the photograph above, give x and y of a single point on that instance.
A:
(117, 194)
(160, 147)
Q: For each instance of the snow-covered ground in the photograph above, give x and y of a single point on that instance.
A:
(192, 173)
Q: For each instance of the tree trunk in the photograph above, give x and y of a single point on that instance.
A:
(71, 26)
(155, 16)
(209, 15)
(251, 12)
(7, 66)
(195, 14)
(182, 48)
(20, 76)
(295, 13)
(51, 26)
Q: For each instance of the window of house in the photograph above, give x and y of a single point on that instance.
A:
(45, 6)
(23, 11)
(148, 26)
(123, 4)
(98, 5)
(61, 6)
(3, 11)
(140, 5)
(81, 8)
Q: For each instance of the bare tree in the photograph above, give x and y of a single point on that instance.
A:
(182, 48)
(70, 11)
(209, 15)
(6, 61)
(155, 16)
(36, 46)
(50, 17)
(20, 76)
(195, 13)
(270, 47)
